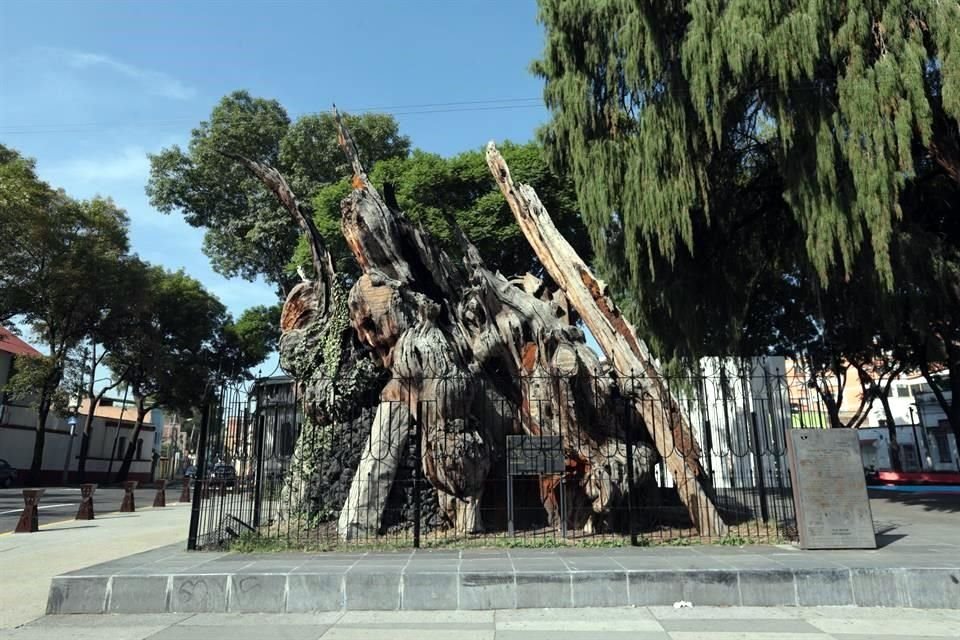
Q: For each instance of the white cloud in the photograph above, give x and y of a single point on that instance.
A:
(153, 82)
(130, 164)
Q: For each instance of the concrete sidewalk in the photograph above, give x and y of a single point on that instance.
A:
(28, 561)
(917, 565)
(641, 623)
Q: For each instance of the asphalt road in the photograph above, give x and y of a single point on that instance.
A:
(61, 503)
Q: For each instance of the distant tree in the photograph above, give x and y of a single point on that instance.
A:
(167, 359)
(248, 341)
(247, 233)
(181, 342)
(57, 276)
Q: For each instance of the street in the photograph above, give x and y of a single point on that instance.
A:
(60, 503)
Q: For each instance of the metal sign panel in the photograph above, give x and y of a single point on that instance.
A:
(534, 455)
(829, 489)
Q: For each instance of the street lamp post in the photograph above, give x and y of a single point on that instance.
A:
(921, 454)
(72, 421)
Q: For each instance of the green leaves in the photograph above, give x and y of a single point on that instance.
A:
(735, 161)
(645, 97)
(438, 192)
(248, 234)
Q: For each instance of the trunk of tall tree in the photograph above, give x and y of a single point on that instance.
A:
(951, 406)
(85, 441)
(124, 470)
(88, 418)
(896, 460)
(36, 464)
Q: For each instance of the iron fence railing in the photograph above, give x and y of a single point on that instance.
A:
(412, 468)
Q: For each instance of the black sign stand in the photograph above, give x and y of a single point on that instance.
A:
(535, 456)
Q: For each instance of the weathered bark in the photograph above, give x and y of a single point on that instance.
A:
(663, 416)
(456, 339)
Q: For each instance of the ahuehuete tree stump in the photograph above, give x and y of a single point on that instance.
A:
(460, 341)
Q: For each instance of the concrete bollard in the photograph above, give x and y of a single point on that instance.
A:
(29, 520)
(160, 500)
(128, 505)
(85, 512)
(185, 492)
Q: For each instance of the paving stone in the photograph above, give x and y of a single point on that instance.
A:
(77, 595)
(249, 632)
(487, 590)
(314, 592)
(583, 635)
(139, 594)
(767, 588)
(199, 594)
(889, 623)
(257, 593)
(823, 587)
(543, 590)
(428, 591)
(600, 589)
(372, 591)
(749, 625)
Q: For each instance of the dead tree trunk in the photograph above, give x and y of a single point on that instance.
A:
(460, 341)
(661, 413)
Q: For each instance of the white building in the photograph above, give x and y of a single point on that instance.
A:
(111, 429)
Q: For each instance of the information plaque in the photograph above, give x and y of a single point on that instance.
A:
(829, 489)
(534, 455)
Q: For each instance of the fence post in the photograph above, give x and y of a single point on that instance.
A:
(200, 474)
(631, 481)
(258, 421)
(417, 466)
(758, 460)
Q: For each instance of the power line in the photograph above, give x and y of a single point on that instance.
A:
(500, 104)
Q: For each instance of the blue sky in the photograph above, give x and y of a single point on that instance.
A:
(89, 88)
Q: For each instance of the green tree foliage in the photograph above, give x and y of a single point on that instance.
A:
(169, 358)
(651, 100)
(61, 264)
(249, 340)
(768, 176)
(248, 233)
(438, 192)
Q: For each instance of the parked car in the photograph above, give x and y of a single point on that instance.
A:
(8, 475)
(223, 474)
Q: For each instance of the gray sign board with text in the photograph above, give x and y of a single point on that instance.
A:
(829, 489)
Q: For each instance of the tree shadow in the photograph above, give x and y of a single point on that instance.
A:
(938, 502)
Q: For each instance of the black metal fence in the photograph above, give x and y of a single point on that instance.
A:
(449, 462)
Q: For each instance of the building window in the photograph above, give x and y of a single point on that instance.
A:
(940, 436)
(121, 447)
(903, 392)
(140, 449)
(911, 462)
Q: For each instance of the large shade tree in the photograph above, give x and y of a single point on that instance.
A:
(743, 166)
